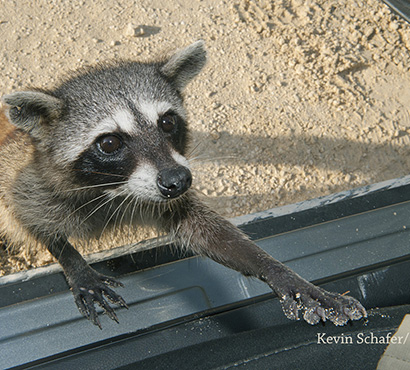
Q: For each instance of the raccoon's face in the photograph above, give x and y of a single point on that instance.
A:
(138, 150)
(120, 128)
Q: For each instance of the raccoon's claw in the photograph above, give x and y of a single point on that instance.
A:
(93, 288)
(317, 305)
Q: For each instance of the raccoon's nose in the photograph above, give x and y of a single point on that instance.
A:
(172, 182)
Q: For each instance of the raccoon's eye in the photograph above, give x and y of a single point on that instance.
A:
(167, 123)
(109, 144)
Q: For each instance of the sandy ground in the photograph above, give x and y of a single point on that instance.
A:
(299, 98)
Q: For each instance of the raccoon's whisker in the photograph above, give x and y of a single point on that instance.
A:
(148, 211)
(169, 207)
(113, 213)
(200, 159)
(126, 208)
(192, 150)
(109, 212)
(159, 209)
(98, 173)
(69, 216)
(150, 208)
(153, 206)
(124, 211)
(99, 206)
(97, 186)
(141, 206)
(135, 201)
(85, 204)
(116, 213)
(145, 213)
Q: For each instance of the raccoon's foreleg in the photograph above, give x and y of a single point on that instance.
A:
(205, 232)
(87, 285)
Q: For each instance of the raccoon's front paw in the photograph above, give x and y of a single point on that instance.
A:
(317, 304)
(92, 287)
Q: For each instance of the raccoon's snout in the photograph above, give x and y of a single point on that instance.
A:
(172, 182)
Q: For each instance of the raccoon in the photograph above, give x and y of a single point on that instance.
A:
(108, 146)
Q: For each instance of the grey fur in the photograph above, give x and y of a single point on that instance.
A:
(55, 193)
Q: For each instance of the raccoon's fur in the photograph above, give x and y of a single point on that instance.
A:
(107, 147)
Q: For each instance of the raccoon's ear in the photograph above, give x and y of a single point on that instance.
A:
(28, 110)
(185, 64)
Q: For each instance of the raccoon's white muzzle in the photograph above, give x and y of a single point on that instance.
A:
(149, 183)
